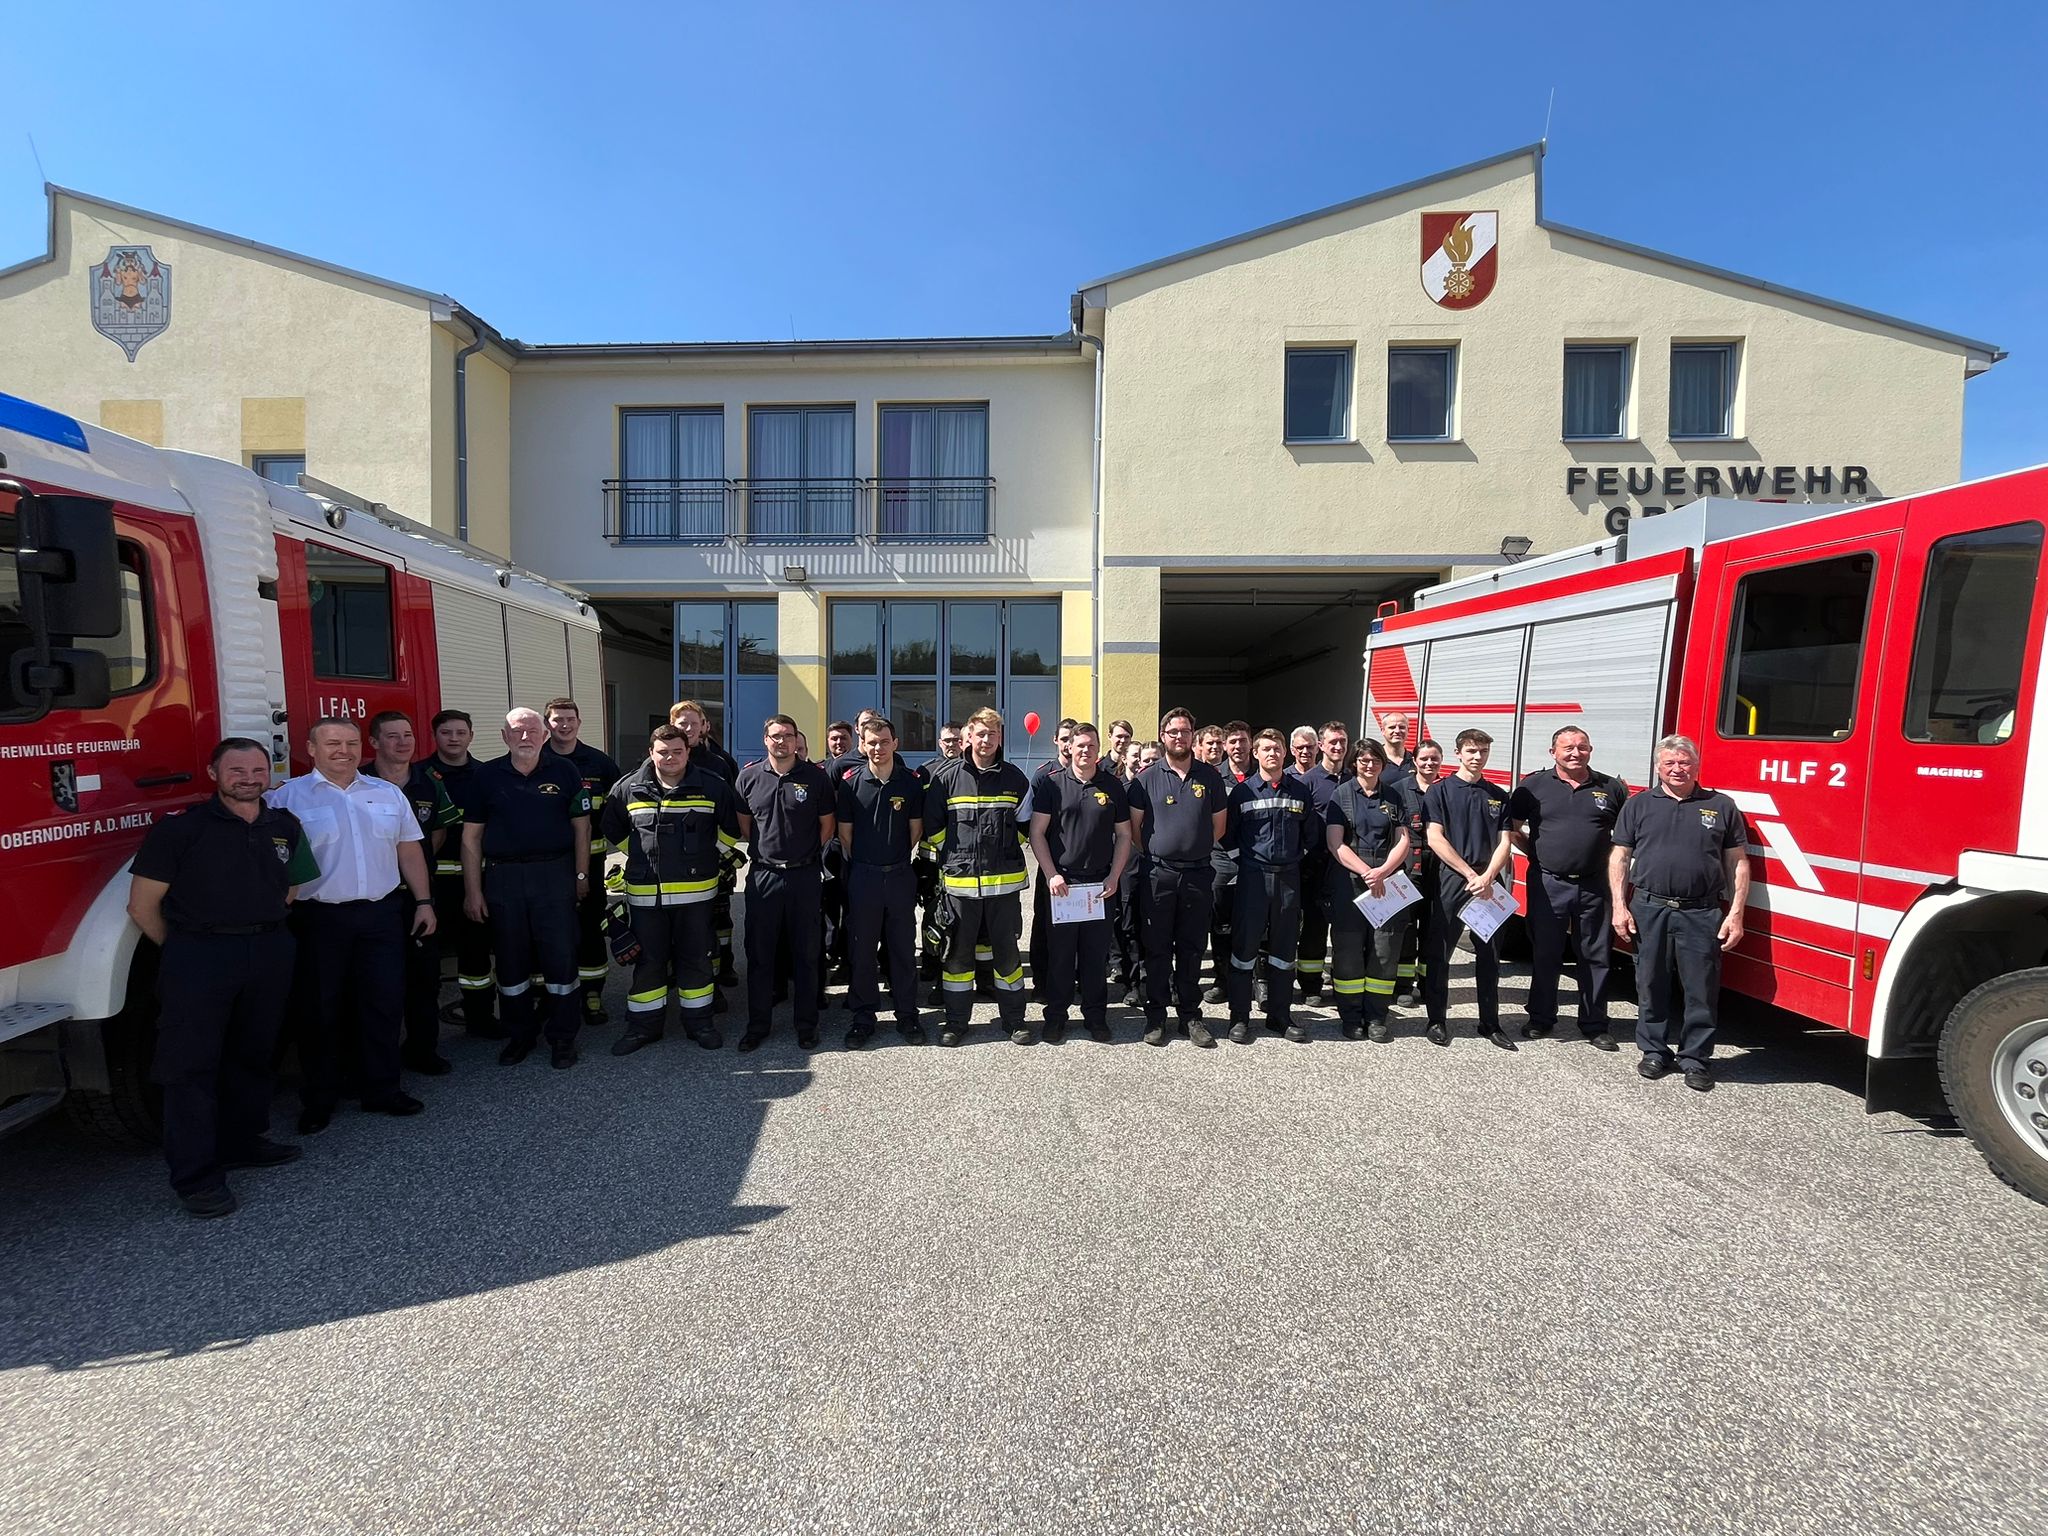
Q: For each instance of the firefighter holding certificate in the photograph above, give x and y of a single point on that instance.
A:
(1081, 835)
(1367, 823)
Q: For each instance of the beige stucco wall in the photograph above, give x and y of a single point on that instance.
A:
(245, 326)
(565, 443)
(1194, 462)
(490, 442)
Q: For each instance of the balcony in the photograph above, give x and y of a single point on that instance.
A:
(895, 510)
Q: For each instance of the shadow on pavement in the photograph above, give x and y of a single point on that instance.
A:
(511, 1175)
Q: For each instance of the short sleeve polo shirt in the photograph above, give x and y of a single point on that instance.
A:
(879, 812)
(788, 809)
(1569, 824)
(224, 872)
(1084, 816)
(1179, 813)
(1472, 816)
(528, 815)
(1676, 845)
(1371, 820)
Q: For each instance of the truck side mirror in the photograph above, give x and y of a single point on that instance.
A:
(67, 543)
(72, 678)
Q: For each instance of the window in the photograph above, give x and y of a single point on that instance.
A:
(800, 482)
(1795, 650)
(284, 468)
(351, 609)
(933, 661)
(1702, 391)
(131, 655)
(1596, 392)
(1971, 647)
(727, 659)
(1318, 395)
(1419, 381)
(935, 483)
(672, 488)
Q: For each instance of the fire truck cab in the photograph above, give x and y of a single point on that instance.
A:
(153, 602)
(1867, 683)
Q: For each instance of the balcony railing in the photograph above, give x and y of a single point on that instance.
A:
(897, 509)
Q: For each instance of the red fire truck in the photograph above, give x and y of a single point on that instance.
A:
(151, 603)
(1865, 682)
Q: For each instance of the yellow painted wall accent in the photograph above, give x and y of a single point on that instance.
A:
(1077, 639)
(275, 425)
(142, 420)
(800, 677)
(490, 455)
(1130, 690)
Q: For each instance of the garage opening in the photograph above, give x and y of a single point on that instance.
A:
(1271, 648)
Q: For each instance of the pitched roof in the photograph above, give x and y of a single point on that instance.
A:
(1986, 352)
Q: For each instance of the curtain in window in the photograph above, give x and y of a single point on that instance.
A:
(700, 456)
(775, 509)
(1699, 391)
(959, 454)
(829, 457)
(906, 454)
(1593, 392)
(649, 456)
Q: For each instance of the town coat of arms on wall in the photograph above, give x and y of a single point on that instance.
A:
(131, 297)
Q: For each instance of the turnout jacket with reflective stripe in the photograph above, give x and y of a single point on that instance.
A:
(970, 817)
(671, 837)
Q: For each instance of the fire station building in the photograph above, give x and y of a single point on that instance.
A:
(1195, 488)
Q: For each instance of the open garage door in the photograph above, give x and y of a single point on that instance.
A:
(1271, 648)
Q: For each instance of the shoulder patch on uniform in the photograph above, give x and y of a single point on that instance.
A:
(283, 846)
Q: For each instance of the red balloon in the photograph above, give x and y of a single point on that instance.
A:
(1031, 723)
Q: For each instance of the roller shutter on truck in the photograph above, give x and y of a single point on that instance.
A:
(469, 632)
(539, 649)
(1604, 673)
(586, 682)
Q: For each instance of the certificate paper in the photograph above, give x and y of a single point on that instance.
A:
(1401, 893)
(1484, 914)
(1081, 904)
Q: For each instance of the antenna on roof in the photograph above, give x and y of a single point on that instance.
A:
(1544, 142)
(39, 159)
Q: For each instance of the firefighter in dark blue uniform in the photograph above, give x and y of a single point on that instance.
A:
(469, 942)
(881, 822)
(1684, 849)
(211, 886)
(598, 773)
(392, 742)
(1425, 766)
(1270, 813)
(1331, 768)
(673, 820)
(787, 811)
(1366, 832)
(1470, 835)
(1563, 816)
(1213, 749)
(525, 863)
(1080, 835)
(1179, 813)
(970, 817)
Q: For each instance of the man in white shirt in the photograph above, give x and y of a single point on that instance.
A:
(349, 924)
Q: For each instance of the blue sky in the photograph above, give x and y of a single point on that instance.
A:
(725, 171)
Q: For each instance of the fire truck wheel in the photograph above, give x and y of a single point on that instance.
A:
(1994, 1070)
(129, 1113)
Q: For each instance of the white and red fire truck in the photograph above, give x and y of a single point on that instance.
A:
(153, 602)
(1866, 682)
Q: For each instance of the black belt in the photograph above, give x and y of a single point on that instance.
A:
(1677, 904)
(1182, 864)
(1558, 874)
(527, 858)
(361, 901)
(228, 930)
(877, 868)
(797, 864)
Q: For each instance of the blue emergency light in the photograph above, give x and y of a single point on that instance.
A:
(32, 420)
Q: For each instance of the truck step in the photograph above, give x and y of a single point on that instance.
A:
(21, 1018)
(30, 1106)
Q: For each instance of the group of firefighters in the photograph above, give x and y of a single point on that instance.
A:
(336, 894)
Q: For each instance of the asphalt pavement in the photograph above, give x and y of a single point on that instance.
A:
(1089, 1288)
